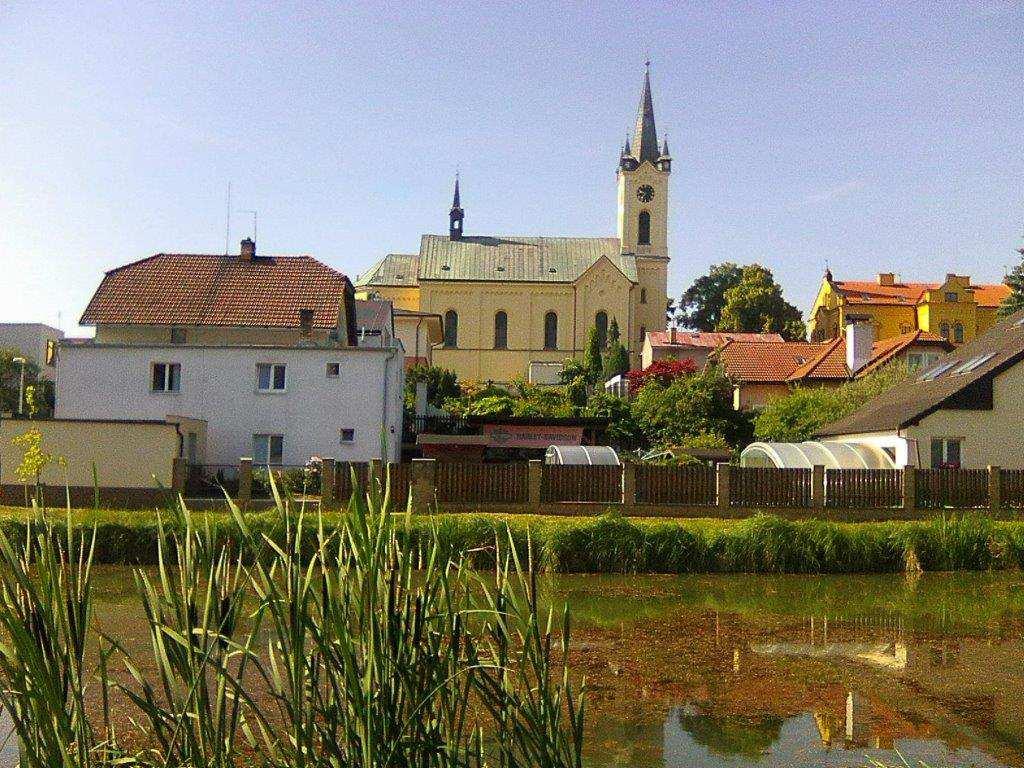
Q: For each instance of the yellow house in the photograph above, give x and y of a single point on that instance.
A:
(517, 306)
(954, 309)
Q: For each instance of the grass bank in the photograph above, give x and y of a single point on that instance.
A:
(612, 544)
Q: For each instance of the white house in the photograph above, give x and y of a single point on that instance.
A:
(264, 349)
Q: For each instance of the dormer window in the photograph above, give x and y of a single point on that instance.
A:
(306, 321)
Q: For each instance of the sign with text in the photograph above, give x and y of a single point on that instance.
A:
(530, 436)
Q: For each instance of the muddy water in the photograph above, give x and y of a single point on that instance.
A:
(800, 671)
(745, 671)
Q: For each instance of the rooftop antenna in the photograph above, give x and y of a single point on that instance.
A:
(254, 222)
(227, 231)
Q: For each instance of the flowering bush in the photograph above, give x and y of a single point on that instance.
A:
(663, 371)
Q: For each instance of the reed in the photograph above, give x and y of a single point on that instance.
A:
(350, 644)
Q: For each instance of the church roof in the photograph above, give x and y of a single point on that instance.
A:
(518, 259)
(395, 269)
(645, 136)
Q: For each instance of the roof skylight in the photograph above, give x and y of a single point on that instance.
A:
(938, 370)
(975, 362)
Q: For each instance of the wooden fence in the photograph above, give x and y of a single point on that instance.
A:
(693, 485)
(863, 488)
(1012, 483)
(767, 488)
(458, 482)
(961, 488)
(585, 483)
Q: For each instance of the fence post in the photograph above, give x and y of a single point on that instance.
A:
(818, 486)
(534, 476)
(909, 489)
(629, 484)
(244, 481)
(995, 488)
(328, 468)
(422, 484)
(722, 473)
(179, 474)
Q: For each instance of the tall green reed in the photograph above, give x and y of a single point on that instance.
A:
(349, 645)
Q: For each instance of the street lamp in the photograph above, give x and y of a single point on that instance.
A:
(21, 386)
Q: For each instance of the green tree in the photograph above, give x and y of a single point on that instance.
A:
(690, 406)
(796, 417)
(592, 357)
(442, 384)
(756, 305)
(623, 430)
(700, 307)
(10, 381)
(615, 360)
(1015, 301)
(575, 377)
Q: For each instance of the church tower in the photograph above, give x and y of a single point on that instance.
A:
(644, 168)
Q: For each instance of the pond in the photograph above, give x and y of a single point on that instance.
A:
(745, 671)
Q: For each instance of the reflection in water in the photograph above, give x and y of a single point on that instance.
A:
(692, 739)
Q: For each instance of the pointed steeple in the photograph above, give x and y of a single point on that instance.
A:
(456, 214)
(645, 136)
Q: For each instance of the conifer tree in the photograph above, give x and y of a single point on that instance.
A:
(592, 356)
(616, 359)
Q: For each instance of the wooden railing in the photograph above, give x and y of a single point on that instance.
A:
(584, 483)
(770, 488)
(691, 485)
(960, 488)
(863, 488)
(459, 482)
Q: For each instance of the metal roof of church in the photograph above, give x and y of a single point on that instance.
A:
(518, 259)
(395, 269)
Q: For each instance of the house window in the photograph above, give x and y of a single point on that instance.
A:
(958, 333)
(306, 321)
(270, 377)
(178, 335)
(333, 370)
(643, 295)
(267, 449)
(944, 330)
(550, 331)
(643, 228)
(951, 297)
(348, 435)
(946, 452)
(451, 328)
(166, 377)
(601, 323)
(500, 330)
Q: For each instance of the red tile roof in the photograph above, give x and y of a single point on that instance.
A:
(706, 339)
(798, 361)
(869, 292)
(198, 289)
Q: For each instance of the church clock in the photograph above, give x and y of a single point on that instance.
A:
(645, 193)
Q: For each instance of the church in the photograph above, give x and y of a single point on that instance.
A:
(516, 307)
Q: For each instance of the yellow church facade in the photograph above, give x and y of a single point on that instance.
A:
(955, 309)
(515, 307)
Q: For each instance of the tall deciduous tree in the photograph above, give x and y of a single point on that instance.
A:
(756, 305)
(1015, 301)
(700, 307)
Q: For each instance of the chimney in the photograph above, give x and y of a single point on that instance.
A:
(248, 249)
(860, 338)
(950, 276)
(672, 335)
(886, 278)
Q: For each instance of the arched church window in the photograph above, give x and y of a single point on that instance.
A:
(500, 330)
(958, 333)
(643, 228)
(643, 333)
(550, 331)
(944, 330)
(601, 323)
(451, 328)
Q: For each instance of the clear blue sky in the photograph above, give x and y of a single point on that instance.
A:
(875, 136)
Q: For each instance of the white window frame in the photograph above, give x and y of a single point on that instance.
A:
(271, 389)
(945, 441)
(269, 437)
(166, 379)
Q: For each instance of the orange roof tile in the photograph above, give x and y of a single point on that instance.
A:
(199, 289)
(706, 339)
(768, 361)
(885, 350)
(869, 292)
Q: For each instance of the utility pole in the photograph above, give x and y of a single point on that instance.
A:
(21, 386)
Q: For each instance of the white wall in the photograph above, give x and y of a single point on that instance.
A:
(218, 384)
(30, 339)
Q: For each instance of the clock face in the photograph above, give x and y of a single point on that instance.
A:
(645, 194)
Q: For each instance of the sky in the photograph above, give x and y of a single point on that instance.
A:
(873, 137)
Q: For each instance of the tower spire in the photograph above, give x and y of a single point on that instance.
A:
(645, 135)
(456, 214)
